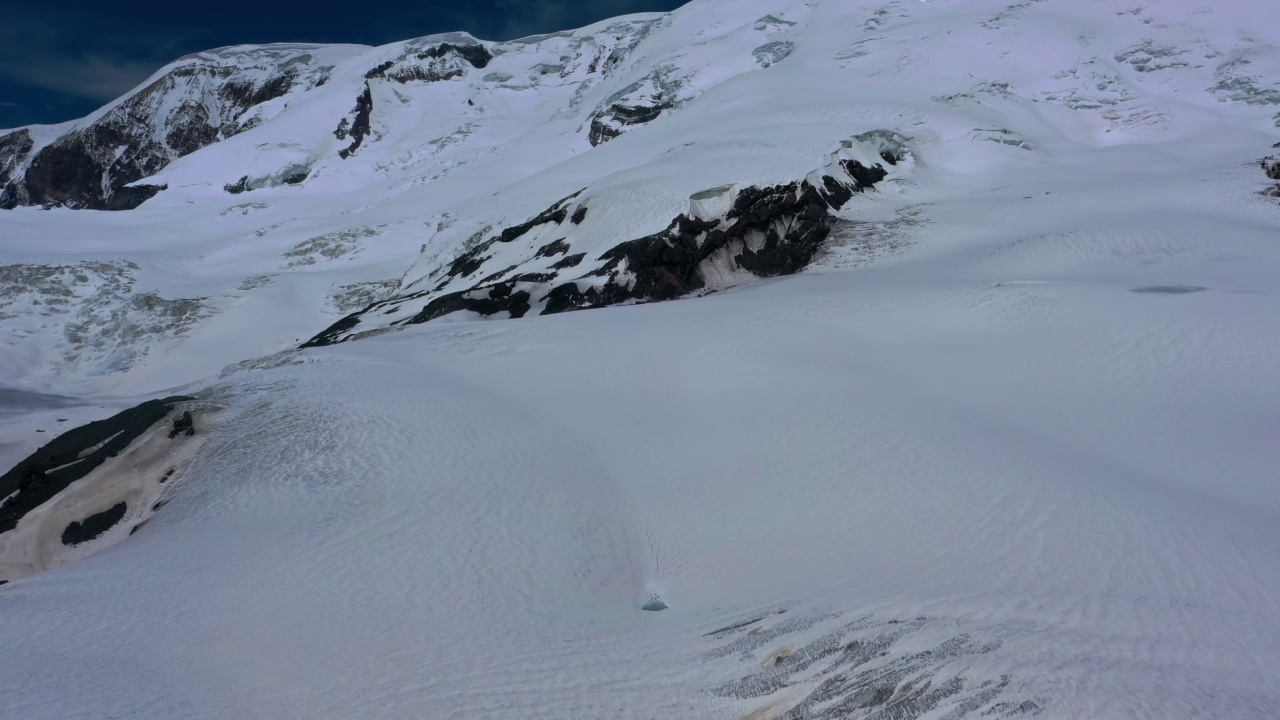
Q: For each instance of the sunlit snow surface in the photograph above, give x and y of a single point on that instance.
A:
(1009, 450)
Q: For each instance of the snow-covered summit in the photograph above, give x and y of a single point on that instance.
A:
(187, 105)
(210, 96)
(373, 174)
(1117, 70)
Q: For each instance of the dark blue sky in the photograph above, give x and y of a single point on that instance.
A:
(63, 59)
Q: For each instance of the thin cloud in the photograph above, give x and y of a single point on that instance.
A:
(92, 77)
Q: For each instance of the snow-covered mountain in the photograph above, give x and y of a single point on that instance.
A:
(962, 404)
(401, 175)
(190, 104)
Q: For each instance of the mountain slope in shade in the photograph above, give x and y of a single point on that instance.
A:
(192, 103)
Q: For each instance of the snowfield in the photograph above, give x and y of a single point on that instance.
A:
(1004, 447)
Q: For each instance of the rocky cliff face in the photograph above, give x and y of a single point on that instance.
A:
(729, 236)
(1271, 166)
(193, 103)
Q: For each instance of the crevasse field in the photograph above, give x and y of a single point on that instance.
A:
(1007, 447)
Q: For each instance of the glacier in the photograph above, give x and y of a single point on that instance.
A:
(918, 357)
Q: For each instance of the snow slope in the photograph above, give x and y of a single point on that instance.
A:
(1003, 449)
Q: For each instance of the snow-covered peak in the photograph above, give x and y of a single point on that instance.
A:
(397, 162)
(1100, 74)
(185, 106)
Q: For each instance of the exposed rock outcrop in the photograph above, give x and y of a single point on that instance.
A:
(436, 63)
(615, 119)
(237, 187)
(728, 236)
(1271, 166)
(773, 53)
(92, 527)
(476, 54)
(199, 101)
(184, 425)
(73, 455)
(638, 104)
(358, 128)
(14, 148)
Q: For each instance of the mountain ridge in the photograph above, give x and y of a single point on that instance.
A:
(394, 162)
(203, 98)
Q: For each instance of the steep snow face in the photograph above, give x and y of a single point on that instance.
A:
(413, 112)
